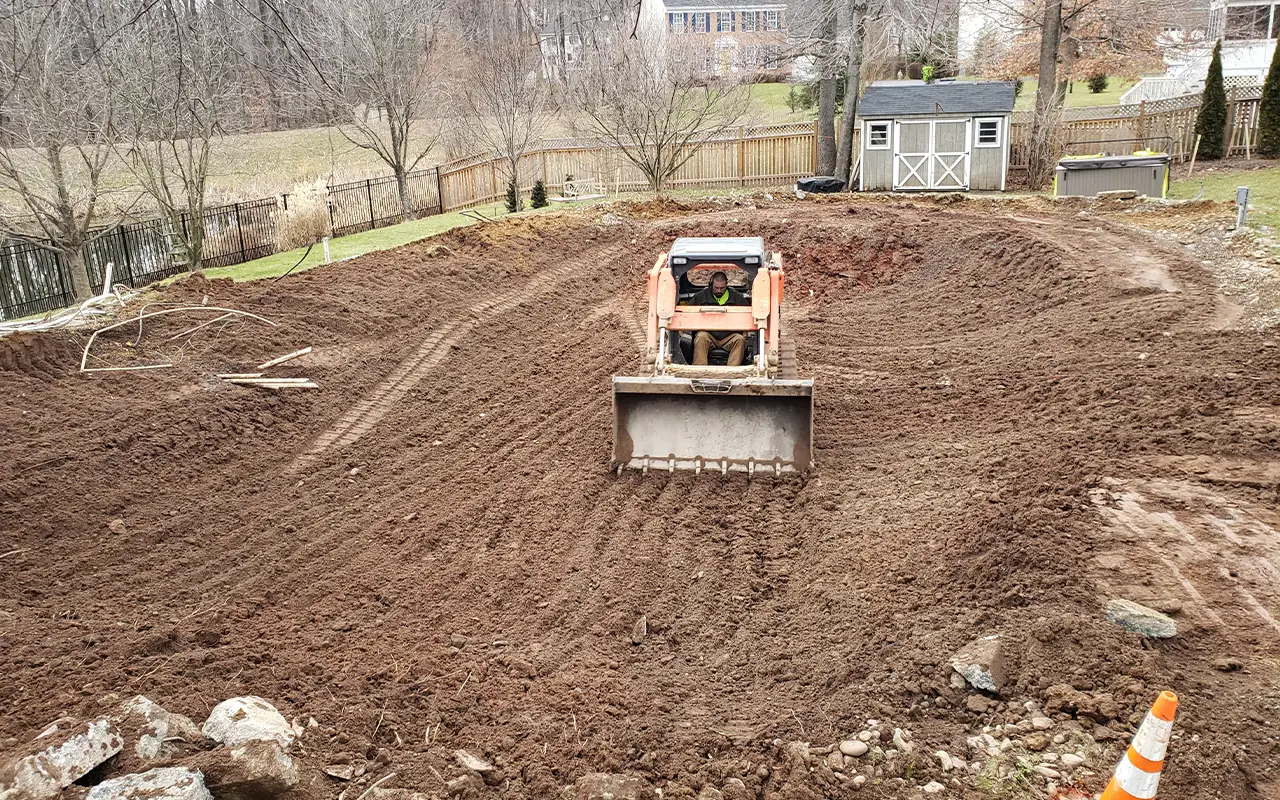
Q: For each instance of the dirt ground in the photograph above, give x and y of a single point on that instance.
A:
(1023, 410)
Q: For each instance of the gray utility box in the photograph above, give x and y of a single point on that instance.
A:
(1087, 176)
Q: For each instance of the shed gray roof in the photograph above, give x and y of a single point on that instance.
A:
(907, 98)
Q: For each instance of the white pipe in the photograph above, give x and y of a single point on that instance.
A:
(660, 361)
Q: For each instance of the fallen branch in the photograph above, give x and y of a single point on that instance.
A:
(195, 328)
(284, 358)
(124, 369)
(376, 784)
(14, 552)
(84, 357)
(257, 380)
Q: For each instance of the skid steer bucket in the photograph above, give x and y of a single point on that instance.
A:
(749, 425)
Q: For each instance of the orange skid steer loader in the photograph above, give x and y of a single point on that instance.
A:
(751, 417)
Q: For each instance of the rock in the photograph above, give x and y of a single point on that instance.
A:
(981, 663)
(944, 759)
(612, 786)
(343, 772)
(735, 789)
(1139, 619)
(1035, 741)
(933, 787)
(255, 769)
(458, 640)
(1060, 738)
(858, 780)
(900, 740)
(65, 752)
(1070, 760)
(163, 783)
(247, 719)
(1048, 772)
(977, 704)
(855, 748)
(466, 785)
(1118, 194)
(864, 736)
(710, 793)
(1228, 664)
(117, 526)
(1098, 706)
(835, 760)
(1167, 605)
(1041, 723)
(486, 769)
(152, 729)
(1049, 757)
(640, 630)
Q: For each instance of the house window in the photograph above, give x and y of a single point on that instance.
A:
(772, 21)
(676, 22)
(877, 136)
(751, 56)
(724, 22)
(700, 24)
(1248, 22)
(988, 133)
(750, 21)
(573, 48)
(772, 56)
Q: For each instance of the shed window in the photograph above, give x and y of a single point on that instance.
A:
(988, 133)
(877, 136)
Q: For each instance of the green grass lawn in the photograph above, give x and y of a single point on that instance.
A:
(1079, 96)
(1220, 181)
(769, 105)
(357, 244)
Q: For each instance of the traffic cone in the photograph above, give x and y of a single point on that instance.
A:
(1138, 773)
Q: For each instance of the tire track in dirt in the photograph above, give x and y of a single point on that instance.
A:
(370, 411)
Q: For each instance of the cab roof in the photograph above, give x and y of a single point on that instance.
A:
(718, 248)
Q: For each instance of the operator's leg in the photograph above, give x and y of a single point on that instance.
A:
(702, 342)
(736, 344)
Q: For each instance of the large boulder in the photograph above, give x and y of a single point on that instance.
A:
(65, 752)
(251, 771)
(163, 783)
(1141, 620)
(152, 730)
(981, 663)
(247, 719)
(612, 786)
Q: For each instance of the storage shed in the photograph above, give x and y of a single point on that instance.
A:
(941, 136)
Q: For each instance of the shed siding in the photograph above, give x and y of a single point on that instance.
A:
(987, 165)
(984, 168)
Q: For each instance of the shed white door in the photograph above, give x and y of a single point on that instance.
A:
(931, 154)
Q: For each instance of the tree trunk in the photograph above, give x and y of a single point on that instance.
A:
(406, 204)
(78, 272)
(827, 95)
(853, 77)
(1048, 99)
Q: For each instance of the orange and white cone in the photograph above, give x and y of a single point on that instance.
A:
(1138, 773)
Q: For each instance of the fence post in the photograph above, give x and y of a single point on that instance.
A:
(368, 190)
(813, 164)
(1231, 122)
(1142, 118)
(742, 156)
(126, 258)
(244, 253)
(440, 190)
(285, 198)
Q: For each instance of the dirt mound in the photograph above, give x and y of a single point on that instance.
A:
(430, 553)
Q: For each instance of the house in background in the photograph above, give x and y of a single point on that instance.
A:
(731, 36)
(1247, 29)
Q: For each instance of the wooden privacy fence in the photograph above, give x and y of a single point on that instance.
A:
(33, 279)
(1166, 125)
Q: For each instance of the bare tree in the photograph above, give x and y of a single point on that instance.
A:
(857, 21)
(174, 76)
(55, 121)
(370, 66)
(504, 102)
(656, 102)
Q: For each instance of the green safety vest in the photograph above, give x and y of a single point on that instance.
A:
(722, 299)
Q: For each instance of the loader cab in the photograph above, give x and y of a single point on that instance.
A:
(693, 260)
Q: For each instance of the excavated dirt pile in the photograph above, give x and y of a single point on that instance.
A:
(1022, 413)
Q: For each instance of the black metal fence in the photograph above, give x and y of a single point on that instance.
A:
(34, 279)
